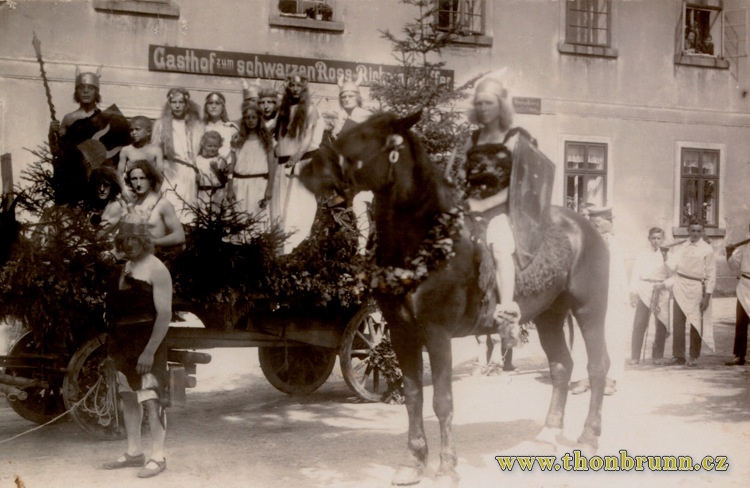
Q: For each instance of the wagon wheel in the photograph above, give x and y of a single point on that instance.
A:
(92, 415)
(42, 404)
(297, 370)
(363, 332)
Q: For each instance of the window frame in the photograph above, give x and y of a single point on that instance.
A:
(700, 59)
(296, 21)
(700, 177)
(568, 8)
(718, 230)
(480, 38)
(592, 50)
(585, 172)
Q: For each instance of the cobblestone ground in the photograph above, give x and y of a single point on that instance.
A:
(236, 430)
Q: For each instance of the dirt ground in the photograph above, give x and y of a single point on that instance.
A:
(237, 430)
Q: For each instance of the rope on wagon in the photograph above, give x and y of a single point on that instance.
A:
(58, 417)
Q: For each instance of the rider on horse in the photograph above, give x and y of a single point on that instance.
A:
(489, 161)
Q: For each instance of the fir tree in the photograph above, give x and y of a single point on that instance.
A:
(416, 84)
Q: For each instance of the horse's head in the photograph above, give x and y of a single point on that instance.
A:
(372, 153)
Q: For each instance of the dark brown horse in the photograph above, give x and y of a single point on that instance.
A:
(381, 155)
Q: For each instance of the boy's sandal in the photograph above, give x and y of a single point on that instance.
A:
(148, 473)
(129, 462)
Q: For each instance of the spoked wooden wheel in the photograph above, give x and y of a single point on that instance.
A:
(297, 370)
(98, 414)
(363, 332)
(41, 404)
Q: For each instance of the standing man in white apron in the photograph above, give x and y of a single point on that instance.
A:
(694, 278)
(740, 260)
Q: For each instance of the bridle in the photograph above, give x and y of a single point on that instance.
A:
(393, 145)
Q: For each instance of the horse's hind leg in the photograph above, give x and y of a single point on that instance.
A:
(591, 322)
(409, 353)
(441, 363)
(550, 328)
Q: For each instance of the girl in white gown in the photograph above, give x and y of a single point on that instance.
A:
(252, 167)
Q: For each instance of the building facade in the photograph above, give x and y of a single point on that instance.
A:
(642, 105)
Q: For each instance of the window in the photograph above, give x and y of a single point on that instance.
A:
(585, 174)
(314, 9)
(699, 185)
(463, 16)
(588, 22)
(702, 28)
(305, 14)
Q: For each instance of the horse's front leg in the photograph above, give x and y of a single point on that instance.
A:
(441, 363)
(409, 353)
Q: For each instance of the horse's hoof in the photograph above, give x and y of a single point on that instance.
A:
(448, 480)
(587, 447)
(407, 475)
(548, 435)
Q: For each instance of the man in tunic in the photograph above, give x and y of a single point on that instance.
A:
(648, 272)
(694, 278)
(178, 132)
(739, 259)
(70, 167)
(299, 131)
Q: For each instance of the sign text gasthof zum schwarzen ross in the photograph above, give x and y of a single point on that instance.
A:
(268, 66)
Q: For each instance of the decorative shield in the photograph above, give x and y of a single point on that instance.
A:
(531, 183)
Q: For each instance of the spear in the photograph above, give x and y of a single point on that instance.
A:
(38, 48)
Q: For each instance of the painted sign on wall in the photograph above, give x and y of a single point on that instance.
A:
(267, 66)
(525, 105)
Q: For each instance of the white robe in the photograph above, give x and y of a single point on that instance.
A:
(298, 204)
(180, 179)
(649, 269)
(695, 260)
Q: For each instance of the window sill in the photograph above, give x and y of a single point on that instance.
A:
(166, 9)
(307, 24)
(480, 41)
(710, 232)
(701, 61)
(581, 50)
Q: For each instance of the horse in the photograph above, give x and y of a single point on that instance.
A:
(382, 156)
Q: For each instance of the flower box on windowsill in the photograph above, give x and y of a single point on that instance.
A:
(701, 60)
(306, 23)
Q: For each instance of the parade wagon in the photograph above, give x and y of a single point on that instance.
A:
(297, 325)
(297, 350)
